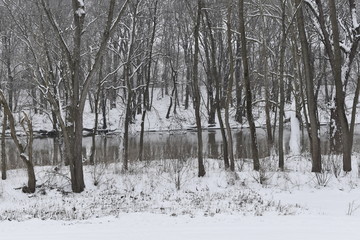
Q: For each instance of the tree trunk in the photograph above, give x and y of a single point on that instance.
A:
(340, 97)
(103, 108)
(3, 150)
(26, 157)
(197, 98)
(10, 80)
(74, 118)
(281, 84)
(309, 83)
(229, 89)
(211, 102)
(215, 75)
(264, 67)
(244, 55)
(128, 111)
(238, 87)
(72, 126)
(146, 100)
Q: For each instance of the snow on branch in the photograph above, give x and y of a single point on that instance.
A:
(345, 47)
(354, 19)
(24, 156)
(81, 8)
(313, 7)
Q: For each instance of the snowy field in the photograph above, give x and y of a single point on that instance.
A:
(165, 200)
(151, 226)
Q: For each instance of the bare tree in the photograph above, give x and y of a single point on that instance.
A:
(341, 56)
(72, 126)
(309, 83)
(146, 101)
(213, 74)
(248, 90)
(25, 151)
(128, 75)
(3, 150)
(197, 97)
(230, 86)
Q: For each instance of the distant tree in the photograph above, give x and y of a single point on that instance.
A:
(213, 76)
(146, 100)
(128, 78)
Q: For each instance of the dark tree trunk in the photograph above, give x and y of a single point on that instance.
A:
(309, 83)
(146, 100)
(10, 80)
(72, 126)
(75, 115)
(127, 71)
(211, 106)
(244, 55)
(282, 90)
(229, 89)
(197, 98)
(238, 87)
(340, 97)
(3, 150)
(215, 75)
(25, 151)
(103, 108)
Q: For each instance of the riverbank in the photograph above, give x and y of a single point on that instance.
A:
(167, 195)
(156, 120)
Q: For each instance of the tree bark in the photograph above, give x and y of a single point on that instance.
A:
(309, 83)
(146, 101)
(281, 85)
(197, 98)
(128, 79)
(26, 157)
(229, 89)
(244, 55)
(215, 75)
(3, 150)
(340, 96)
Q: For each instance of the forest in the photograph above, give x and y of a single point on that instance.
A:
(222, 59)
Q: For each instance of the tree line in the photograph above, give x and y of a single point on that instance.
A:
(246, 54)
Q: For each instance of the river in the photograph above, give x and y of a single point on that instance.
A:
(158, 145)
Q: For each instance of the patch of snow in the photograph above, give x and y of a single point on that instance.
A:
(81, 9)
(345, 47)
(80, 12)
(354, 19)
(81, 3)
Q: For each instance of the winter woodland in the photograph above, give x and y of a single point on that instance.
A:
(284, 75)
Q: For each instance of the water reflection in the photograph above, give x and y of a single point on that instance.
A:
(157, 145)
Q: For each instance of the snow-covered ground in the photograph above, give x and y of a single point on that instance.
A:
(165, 200)
(152, 226)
